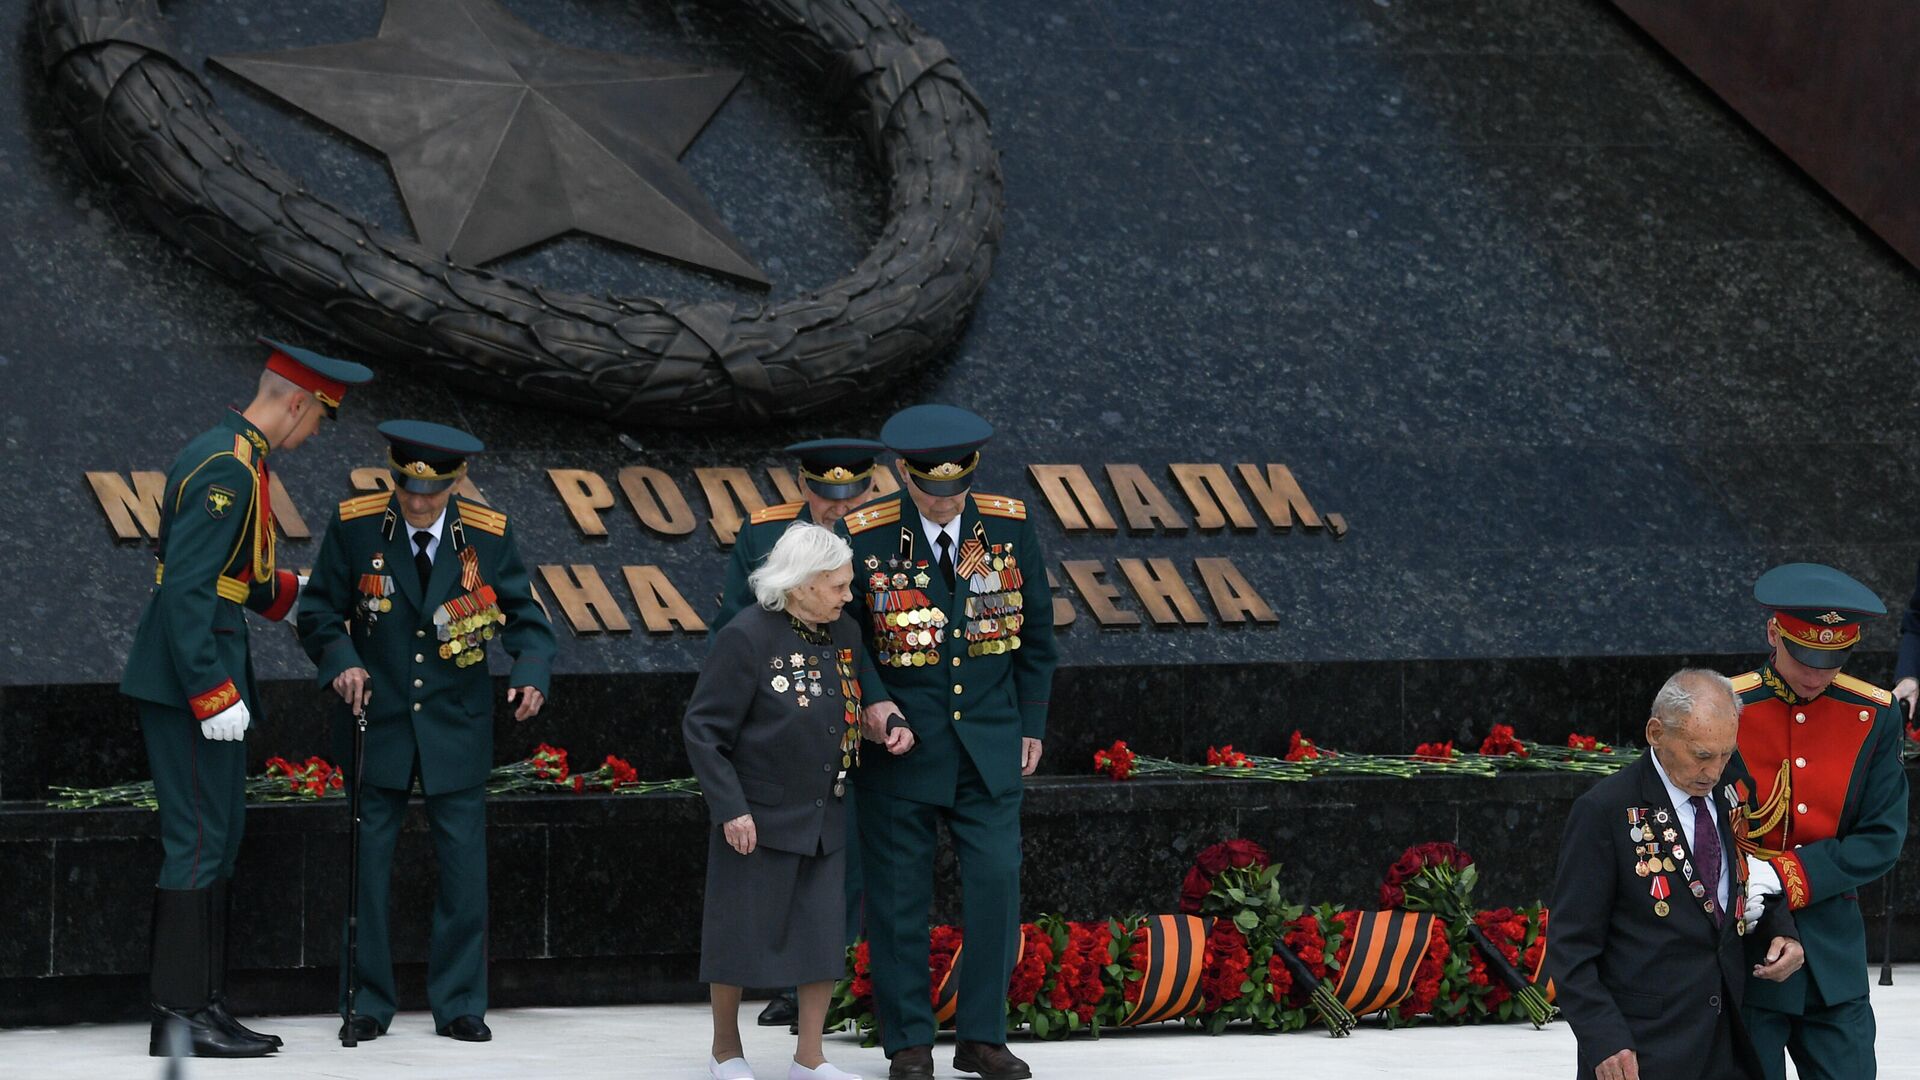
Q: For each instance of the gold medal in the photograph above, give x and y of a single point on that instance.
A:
(1660, 908)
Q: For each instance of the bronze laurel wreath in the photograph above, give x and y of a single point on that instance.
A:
(143, 117)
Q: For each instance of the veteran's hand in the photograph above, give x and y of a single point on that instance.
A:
(1907, 690)
(1784, 957)
(873, 721)
(1029, 756)
(530, 701)
(740, 835)
(1621, 1066)
(355, 688)
(900, 740)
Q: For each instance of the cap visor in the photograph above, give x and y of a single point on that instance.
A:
(940, 489)
(1823, 659)
(836, 492)
(419, 485)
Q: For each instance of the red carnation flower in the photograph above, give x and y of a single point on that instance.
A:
(1303, 749)
(1116, 761)
(1435, 751)
(1501, 742)
(1228, 756)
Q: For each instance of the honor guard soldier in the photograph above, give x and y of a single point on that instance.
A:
(409, 590)
(1827, 816)
(950, 588)
(839, 476)
(191, 672)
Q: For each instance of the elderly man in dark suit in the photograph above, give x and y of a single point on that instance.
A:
(1653, 934)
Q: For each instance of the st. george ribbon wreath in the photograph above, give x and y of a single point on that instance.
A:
(149, 122)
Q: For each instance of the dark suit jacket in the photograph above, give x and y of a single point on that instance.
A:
(755, 748)
(1628, 978)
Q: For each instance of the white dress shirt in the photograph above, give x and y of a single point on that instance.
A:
(433, 545)
(952, 531)
(1683, 806)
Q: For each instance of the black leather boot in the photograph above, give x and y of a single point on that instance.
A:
(222, 908)
(181, 984)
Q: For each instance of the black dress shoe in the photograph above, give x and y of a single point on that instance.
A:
(217, 1014)
(468, 1029)
(365, 1029)
(992, 1061)
(912, 1063)
(783, 1009)
(202, 1037)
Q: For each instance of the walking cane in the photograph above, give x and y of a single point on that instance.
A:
(353, 874)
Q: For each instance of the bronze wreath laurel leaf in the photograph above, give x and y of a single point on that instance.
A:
(145, 119)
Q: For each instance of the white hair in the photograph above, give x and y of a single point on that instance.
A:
(1674, 705)
(803, 550)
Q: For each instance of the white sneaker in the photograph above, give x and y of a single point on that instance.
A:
(827, 1071)
(730, 1069)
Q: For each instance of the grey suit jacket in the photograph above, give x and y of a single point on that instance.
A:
(762, 740)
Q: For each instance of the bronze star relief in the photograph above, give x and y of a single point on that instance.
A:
(500, 138)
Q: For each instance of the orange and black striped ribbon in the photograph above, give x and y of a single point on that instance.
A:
(1387, 948)
(1176, 954)
(946, 1000)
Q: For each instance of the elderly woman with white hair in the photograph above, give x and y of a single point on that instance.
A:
(772, 730)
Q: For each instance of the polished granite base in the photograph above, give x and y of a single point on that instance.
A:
(596, 899)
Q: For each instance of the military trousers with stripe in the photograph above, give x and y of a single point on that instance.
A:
(200, 785)
(898, 840)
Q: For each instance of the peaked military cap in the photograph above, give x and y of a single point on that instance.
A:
(427, 458)
(940, 444)
(322, 376)
(836, 468)
(1818, 611)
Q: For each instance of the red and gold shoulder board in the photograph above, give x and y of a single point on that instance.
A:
(783, 512)
(484, 518)
(1864, 688)
(364, 505)
(872, 517)
(1745, 682)
(1001, 506)
(243, 449)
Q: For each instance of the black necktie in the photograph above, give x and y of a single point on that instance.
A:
(421, 561)
(946, 558)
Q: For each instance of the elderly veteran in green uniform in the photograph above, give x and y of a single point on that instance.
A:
(1828, 815)
(951, 592)
(191, 672)
(408, 590)
(838, 475)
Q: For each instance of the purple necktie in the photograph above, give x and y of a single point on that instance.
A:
(1706, 853)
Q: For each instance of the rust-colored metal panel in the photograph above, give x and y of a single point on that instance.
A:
(1836, 86)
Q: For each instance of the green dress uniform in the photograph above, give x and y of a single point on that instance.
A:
(1828, 813)
(970, 666)
(430, 717)
(190, 663)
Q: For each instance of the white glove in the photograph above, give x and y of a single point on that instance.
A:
(1762, 881)
(227, 725)
(299, 590)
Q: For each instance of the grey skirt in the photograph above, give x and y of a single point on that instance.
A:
(773, 918)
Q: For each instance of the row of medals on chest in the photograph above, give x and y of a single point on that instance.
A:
(911, 625)
(1651, 861)
(463, 624)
